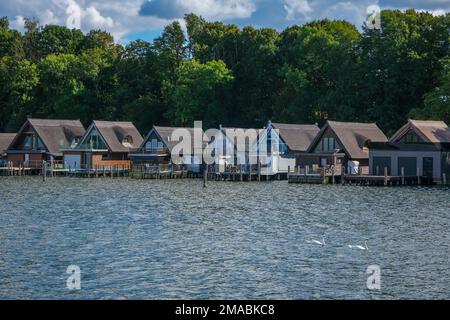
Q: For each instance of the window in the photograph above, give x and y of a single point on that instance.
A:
(329, 144)
(27, 141)
(127, 141)
(411, 137)
(94, 141)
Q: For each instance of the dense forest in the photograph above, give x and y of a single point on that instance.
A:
(222, 74)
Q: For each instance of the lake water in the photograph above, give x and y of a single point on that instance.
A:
(148, 239)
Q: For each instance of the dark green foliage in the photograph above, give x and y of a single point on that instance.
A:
(222, 74)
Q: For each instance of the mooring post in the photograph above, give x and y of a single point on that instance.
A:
(403, 176)
(324, 173)
(332, 175)
(385, 176)
(378, 171)
(342, 174)
(419, 182)
(44, 171)
(259, 171)
(444, 179)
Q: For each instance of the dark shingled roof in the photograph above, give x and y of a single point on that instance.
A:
(113, 133)
(166, 132)
(430, 131)
(5, 141)
(298, 137)
(55, 134)
(352, 136)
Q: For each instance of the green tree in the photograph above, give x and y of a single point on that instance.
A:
(199, 93)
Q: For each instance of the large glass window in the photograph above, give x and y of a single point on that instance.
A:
(329, 144)
(94, 141)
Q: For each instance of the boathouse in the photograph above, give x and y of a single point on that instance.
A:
(284, 144)
(156, 149)
(419, 148)
(343, 145)
(43, 139)
(105, 144)
(234, 147)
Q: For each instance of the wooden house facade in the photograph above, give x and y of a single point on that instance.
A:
(343, 145)
(284, 145)
(105, 143)
(419, 148)
(43, 140)
(156, 149)
(235, 147)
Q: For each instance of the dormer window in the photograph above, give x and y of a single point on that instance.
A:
(74, 142)
(127, 141)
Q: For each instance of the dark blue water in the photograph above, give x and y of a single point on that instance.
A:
(136, 239)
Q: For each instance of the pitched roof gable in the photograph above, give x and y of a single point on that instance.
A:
(55, 134)
(429, 131)
(113, 133)
(352, 136)
(298, 137)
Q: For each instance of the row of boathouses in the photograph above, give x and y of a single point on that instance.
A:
(419, 149)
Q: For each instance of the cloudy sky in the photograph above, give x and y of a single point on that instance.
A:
(132, 19)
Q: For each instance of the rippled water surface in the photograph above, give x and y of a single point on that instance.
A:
(136, 239)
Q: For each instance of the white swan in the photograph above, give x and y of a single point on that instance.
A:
(359, 247)
(322, 243)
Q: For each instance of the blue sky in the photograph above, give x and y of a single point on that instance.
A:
(144, 19)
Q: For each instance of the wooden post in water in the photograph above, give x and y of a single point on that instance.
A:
(342, 175)
(324, 174)
(241, 177)
(419, 182)
(385, 176)
(44, 171)
(378, 171)
(403, 176)
(332, 175)
(259, 171)
(444, 179)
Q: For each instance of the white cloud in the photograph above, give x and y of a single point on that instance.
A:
(297, 7)
(18, 23)
(210, 9)
(124, 17)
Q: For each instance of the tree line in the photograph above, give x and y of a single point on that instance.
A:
(223, 74)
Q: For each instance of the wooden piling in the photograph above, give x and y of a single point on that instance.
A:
(385, 176)
(444, 179)
(259, 171)
(403, 175)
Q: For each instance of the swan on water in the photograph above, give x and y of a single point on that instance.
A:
(359, 247)
(322, 243)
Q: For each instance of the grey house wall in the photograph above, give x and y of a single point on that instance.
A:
(419, 155)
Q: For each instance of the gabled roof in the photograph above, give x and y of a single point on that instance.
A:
(165, 134)
(55, 134)
(114, 132)
(5, 140)
(429, 131)
(352, 136)
(298, 137)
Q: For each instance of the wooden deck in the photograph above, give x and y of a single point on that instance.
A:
(361, 180)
